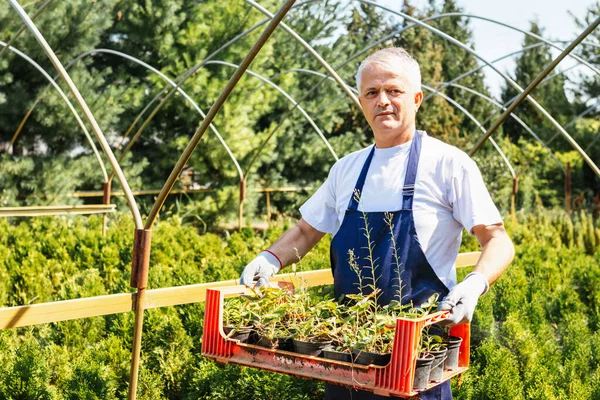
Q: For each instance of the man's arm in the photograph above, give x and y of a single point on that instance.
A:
(294, 243)
(497, 251)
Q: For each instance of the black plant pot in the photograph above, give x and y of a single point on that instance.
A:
(269, 343)
(453, 344)
(309, 348)
(241, 334)
(336, 355)
(368, 358)
(437, 368)
(286, 344)
(422, 372)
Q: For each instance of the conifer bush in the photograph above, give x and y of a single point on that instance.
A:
(534, 335)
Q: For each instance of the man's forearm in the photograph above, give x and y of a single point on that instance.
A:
(295, 243)
(496, 254)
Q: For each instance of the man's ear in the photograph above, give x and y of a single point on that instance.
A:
(418, 100)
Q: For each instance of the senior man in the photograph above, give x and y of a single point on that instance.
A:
(425, 190)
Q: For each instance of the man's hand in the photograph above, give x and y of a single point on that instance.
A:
(261, 269)
(462, 299)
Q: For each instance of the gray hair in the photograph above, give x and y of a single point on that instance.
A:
(394, 59)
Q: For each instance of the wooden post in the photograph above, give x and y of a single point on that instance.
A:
(568, 189)
(268, 193)
(242, 198)
(106, 201)
(139, 279)
(515, 189)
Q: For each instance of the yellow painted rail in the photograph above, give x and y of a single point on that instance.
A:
(35, 314)
(37, 211)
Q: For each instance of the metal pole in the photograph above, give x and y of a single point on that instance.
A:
(568, 189)
(241, 209)
(213, 112)
(529, 89)
(268, 194)
(88, 114)
(106, 200)
(139, 279)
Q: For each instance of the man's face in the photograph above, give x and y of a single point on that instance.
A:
(389, 103)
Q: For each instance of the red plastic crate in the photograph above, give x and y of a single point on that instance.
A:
(394, 379)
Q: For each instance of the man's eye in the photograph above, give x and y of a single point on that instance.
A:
(395, 92)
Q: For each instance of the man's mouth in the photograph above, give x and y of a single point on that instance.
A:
(382, 114)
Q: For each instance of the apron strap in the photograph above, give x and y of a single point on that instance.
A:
(408, 190)
(355, 197)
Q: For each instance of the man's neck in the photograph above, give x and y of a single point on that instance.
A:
(388, 139)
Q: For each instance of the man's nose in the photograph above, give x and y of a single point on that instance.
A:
(382, 99)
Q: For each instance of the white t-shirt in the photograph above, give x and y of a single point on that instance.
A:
(449, 195)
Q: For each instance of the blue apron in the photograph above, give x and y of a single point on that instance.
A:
(419, 280)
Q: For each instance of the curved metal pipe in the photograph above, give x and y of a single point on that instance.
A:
(531, 34)
(525, 95)
(577, 118)
(439, 16)
(312, 51)
(290, 99)
(174, 85)
(546, 79)
(451, 101)
(263, 79)
(184, 76)
(16, 35)
(88, 114)
(515, 85)
(213, 112)
(480, 67)
(516, 118)
(581, 115)
(492, 141)
(64, 97)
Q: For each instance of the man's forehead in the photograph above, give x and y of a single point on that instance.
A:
(375, 75)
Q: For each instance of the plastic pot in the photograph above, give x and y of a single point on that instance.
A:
(242, 334)
(422, 371)
(286, 344)
(453, 345)
(309, 348)
(332, 354)
(437, 368)
(269, 343)
(367, 358)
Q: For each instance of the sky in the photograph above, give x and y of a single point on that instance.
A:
(493, 41)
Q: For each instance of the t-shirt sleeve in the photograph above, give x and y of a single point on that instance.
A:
(472, 204)
(319, 211)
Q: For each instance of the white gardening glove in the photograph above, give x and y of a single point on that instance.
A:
(462, 299)
(261, 269)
